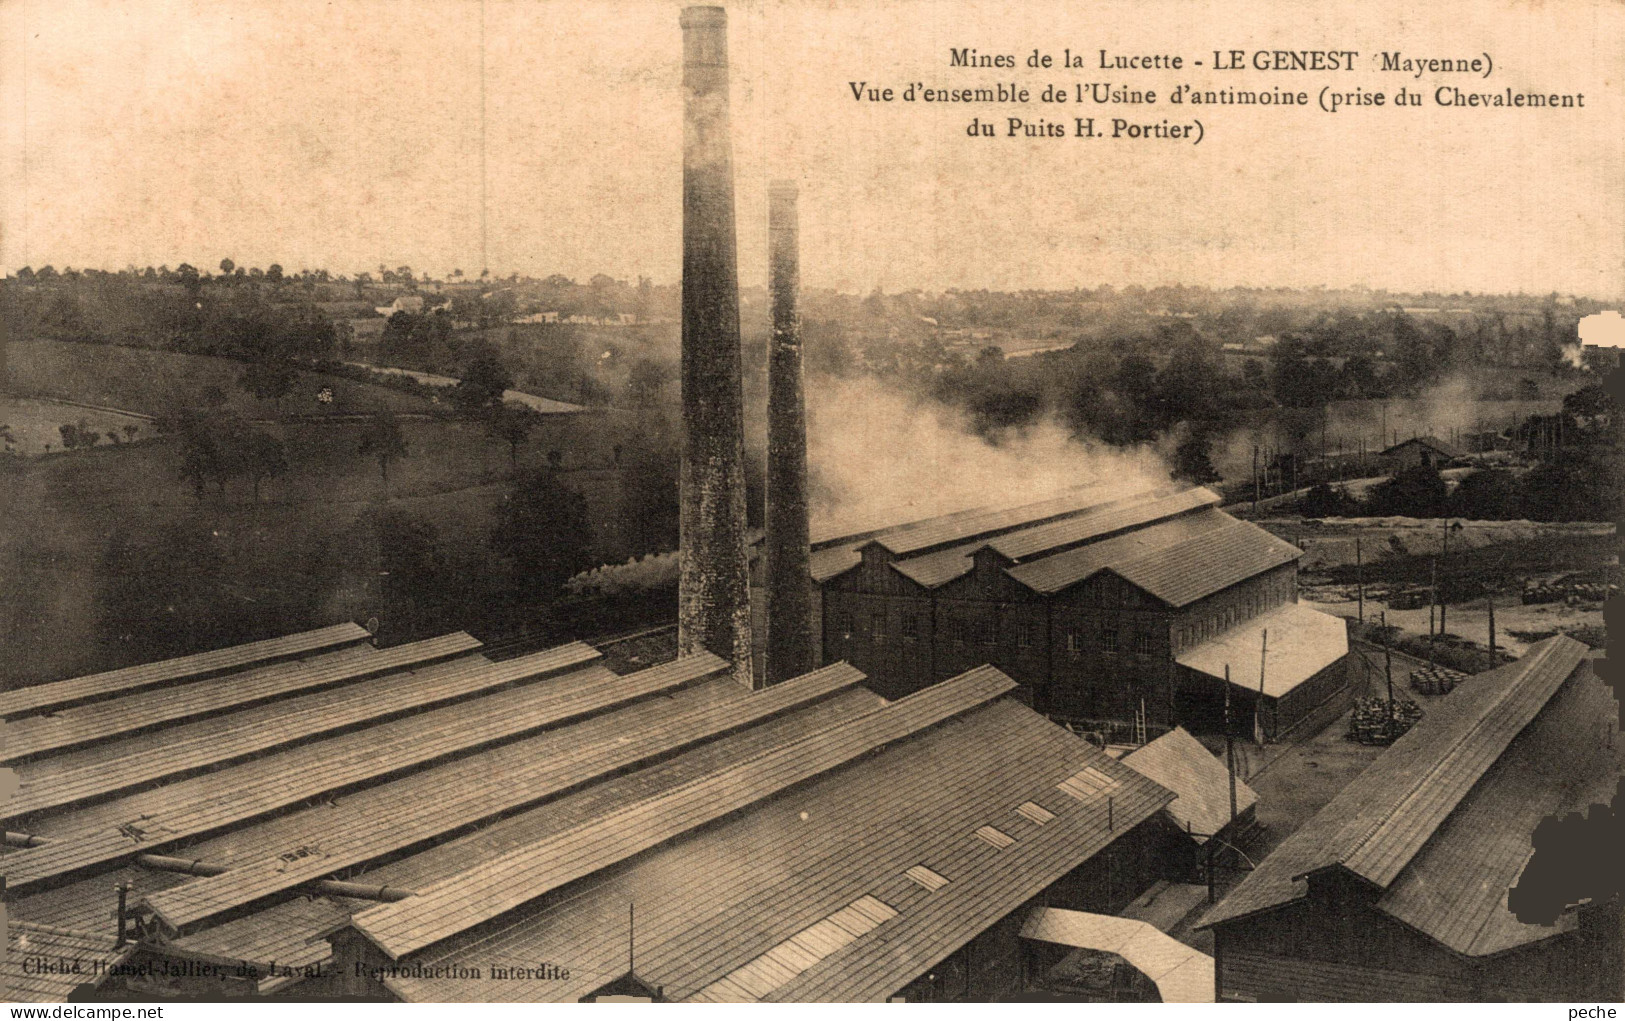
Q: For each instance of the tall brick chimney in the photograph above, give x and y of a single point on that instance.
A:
(713, 595)
(789, 593)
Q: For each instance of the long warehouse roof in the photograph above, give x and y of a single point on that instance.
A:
(432, 776)
(737, 924)
(147, 675)
(1442, 823)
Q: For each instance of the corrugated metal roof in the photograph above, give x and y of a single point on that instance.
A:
(1432, 442)
(142, 822)
(1061, 570)
(1302, 642)
(716, 899)
(827, 563)
(1182, 974)
(509, 881)
(102, 720)
(29, 944)
(956, 528)
(145, 675)
(293, 929)
(238, 735)
(1455, 888)
(380, 822)
(1120, 515)
(1378, 823)
(1098, 522)
(1383, 850)
(1179, 762)
(754, 980)
(1208, 563)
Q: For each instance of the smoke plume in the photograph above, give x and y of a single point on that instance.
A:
(878, 458)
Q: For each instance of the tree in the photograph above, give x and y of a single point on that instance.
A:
(645, 382)
(395, 559)
(190, 279)
(542, 533)
(269, 381)
(226, 266)
(274, 273)
(383, 440)
(1486, 495)
(130, 431)
(512, 423)
(1417, 492)
(263, 458)
(1192, 461)
(483, 384)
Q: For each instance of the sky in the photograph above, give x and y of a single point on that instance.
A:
(537, 137)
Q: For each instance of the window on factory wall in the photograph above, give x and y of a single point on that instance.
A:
(956, 629)
(1024, 634)
(1073, 648)
(911, 627)
(1142, 643)
(1108, 641)
(844, 625)
(877, 626)
(988, 632)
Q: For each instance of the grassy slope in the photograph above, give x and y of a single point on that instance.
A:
(59, 514)
(145, 381)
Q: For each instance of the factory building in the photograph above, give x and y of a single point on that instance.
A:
(1107, 606)
(315, 816)
(1403, 887)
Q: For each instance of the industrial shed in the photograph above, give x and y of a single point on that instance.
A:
(1091, 599)
(1281, 667)
(1202, 807)
(318, 816)
(1398, 889)
(1426, 451)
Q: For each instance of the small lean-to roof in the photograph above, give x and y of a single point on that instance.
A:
(85, 956)
(1424, 811)
(147, 675)
(1179, 762)
(1182, 974)
(1302, 642)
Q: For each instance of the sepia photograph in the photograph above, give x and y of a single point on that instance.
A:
(947, 501)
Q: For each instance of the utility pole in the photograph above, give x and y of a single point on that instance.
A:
(1255, 480)
(1489, 604)
(1258, 705)
(1388, 663)
(1433, 590)
(1229, 746)
(1445, 557)
(1359, 578)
